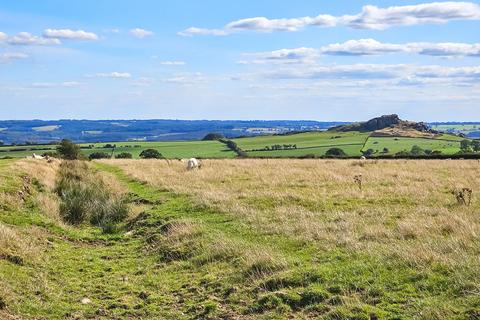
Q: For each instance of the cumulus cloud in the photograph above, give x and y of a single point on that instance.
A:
(371, 17)
(69, 34)
(11, 56)
(25, 38)
(140, 33)
(365, 47)
(361, 47)
(115, 74)
(3, 36)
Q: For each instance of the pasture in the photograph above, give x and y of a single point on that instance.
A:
(247, 239)
(171, 150)
(450, 145)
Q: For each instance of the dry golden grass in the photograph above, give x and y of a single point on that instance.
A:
(15, 246)
(405, 208)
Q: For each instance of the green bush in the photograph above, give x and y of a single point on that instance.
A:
(69, 150)
(335, 153)
(99, 155)
(151, 154)
(124, 155)
(213, 136)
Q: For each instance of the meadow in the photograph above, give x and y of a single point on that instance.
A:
(247, 239)
(308, 144)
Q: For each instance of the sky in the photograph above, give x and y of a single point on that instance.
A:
(337, 60)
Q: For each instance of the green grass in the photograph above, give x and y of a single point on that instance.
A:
(209, 272)
(316, 143)
(177, 149)
(395, 145)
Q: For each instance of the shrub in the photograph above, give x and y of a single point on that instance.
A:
(99, 155)
(151, 154)
(213, 136)
(69, 150)
(124, 155)
(335, 153)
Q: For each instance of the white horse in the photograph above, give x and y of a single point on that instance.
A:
(193, 164)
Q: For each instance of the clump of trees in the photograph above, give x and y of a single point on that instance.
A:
(69, 150)
(335, 153)
(151, 154)
(232, 145)
(124, 155)
(99, 155)
(213, 136)
(469, 146)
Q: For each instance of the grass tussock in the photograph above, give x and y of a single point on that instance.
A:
(84, 197)
(14, 246)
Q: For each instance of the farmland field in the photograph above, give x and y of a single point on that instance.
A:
(180, 149)
(399, 144)
(246, 239)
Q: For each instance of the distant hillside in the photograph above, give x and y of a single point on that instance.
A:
(87, 131)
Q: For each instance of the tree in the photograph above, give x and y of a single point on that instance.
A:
(151, 154)
(69, 150)
(386, 150)
(213, 136)
(335, 153)
(99, 155)
(124, 155)
(368, 153)
(465, 145)
(476, 145)
(417, 151)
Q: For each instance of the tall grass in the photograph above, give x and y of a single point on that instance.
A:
(85, 197)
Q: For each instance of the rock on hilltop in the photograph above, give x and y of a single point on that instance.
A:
(389, 125)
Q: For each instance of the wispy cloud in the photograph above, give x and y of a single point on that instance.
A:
(25, 38)
(11, 56)
(371, 17)
(114, 75)
(69, 34)
(172, 63)
(141, 33)
(47, 85)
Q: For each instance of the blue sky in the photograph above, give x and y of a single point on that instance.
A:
(320, 60)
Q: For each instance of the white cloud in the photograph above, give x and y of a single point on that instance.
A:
(25, 38)
(361, 47)
(3, 36)
(10, 56)
(186, 78)
(203, 32)
(379, 72)
(115, 74)
(172, 63)
(142, 82)
(371, 17)
(69, 34)
(47, 85)
(364, 47)
(141, 33)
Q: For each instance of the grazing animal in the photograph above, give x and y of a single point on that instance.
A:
(35, 156)
(363, 158)
(193, 164)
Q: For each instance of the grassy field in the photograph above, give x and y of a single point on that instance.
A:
(394, 145)
(306, 144)
(172, 150)
(246, 239)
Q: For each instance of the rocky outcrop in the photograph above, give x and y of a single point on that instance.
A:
(384, 122)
